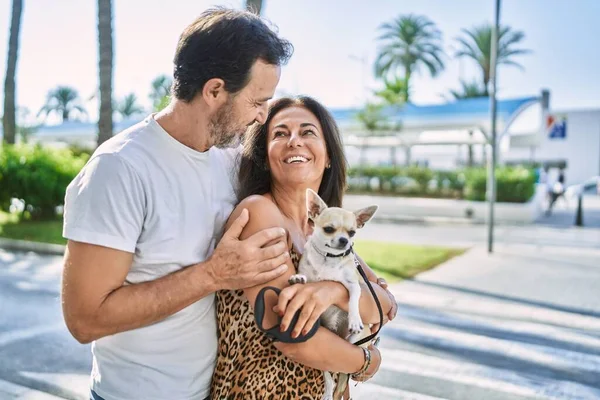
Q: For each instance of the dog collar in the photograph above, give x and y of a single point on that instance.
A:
(344, 254)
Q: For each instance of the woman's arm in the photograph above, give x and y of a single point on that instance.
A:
(325, 350)
(319, 296)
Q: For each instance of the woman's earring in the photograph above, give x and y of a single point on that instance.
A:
(328, 166)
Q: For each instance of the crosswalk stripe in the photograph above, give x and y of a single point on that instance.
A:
(469, 321)
(9, 390)
(370, 391)
(476, 305)
(24, 334)
(510, 382)
(544, 355)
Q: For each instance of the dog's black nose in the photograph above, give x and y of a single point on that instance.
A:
(343, 241)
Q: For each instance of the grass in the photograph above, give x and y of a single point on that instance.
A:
(395, 261)
(392, 261)
(36, 231)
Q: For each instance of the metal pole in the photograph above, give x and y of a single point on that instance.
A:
(579, 215)
(492, 164)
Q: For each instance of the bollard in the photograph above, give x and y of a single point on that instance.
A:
(579, 215)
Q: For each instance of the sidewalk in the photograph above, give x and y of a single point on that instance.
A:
(522, 323)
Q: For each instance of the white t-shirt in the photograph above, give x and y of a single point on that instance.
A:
(146, 193)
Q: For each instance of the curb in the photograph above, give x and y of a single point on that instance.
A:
(406, 219)
(37, 247)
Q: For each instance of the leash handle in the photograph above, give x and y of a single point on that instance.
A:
(364, 276)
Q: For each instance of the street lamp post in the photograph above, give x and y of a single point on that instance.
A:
(492, 164)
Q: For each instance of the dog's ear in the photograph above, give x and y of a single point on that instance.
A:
(314, 204)
(363, 215)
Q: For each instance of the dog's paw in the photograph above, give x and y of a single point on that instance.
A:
(327, 396)
(299, 278)
(355, 325)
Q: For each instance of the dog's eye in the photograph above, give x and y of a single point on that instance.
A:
(351, 233)
(329, 229)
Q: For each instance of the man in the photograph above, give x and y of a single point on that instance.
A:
(143, 216)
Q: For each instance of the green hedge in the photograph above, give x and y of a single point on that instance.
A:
(38, 176)
(514, 184)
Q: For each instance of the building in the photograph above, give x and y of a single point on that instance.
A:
(443, 136)
(455, 134)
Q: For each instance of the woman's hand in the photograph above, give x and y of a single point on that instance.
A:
(313, 298)
(394, 310)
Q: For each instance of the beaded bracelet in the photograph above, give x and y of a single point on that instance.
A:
(365, 366)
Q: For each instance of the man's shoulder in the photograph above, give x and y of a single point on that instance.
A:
(125, 139)
(129, 146)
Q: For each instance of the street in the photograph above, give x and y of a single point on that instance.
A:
(523, 323)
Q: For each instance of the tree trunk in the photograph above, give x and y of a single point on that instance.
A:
(65, 115)
(254, 6)
(407, 156)
(470, 149)
(105, 48)
(9, 124)
(486, 80)
(406, 82)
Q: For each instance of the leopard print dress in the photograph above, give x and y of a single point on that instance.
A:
(248, 365)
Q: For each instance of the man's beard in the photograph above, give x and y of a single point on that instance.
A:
(224, 132)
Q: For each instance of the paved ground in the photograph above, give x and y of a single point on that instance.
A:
(563, 214)
(523, 323)
(517, 325)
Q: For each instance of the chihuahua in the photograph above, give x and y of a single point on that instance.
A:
(328, 255)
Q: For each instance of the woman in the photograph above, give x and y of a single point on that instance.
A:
(298, 147)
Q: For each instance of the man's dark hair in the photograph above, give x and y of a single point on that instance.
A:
(224, 43)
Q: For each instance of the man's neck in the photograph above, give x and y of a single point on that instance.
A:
(186, 123)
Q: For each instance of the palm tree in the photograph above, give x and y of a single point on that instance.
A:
(477, 42)
(468, 90)
(409, 42)
(129, 106)
(161, 89)
(105, 53)
(394, 91)
(64, 101)
(9, 124)
(372, 119)
(254, 6)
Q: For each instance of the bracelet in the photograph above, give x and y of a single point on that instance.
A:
(365, 366)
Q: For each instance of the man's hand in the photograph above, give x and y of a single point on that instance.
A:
(313, 298)
(239, 264)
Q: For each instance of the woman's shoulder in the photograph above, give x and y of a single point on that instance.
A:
(260, 203)
(263, 213)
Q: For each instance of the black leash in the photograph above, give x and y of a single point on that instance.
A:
(364, 276)
(286, 337)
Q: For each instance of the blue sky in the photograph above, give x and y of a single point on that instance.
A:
(58, 46)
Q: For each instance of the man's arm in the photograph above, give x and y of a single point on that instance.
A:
(104, 213)
(96, 303)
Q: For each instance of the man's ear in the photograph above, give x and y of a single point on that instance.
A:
(314, 204)
(364, 214)
(214, 93)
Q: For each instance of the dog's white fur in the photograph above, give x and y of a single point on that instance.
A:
(333, 230)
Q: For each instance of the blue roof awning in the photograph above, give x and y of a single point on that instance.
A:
(464, 112)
